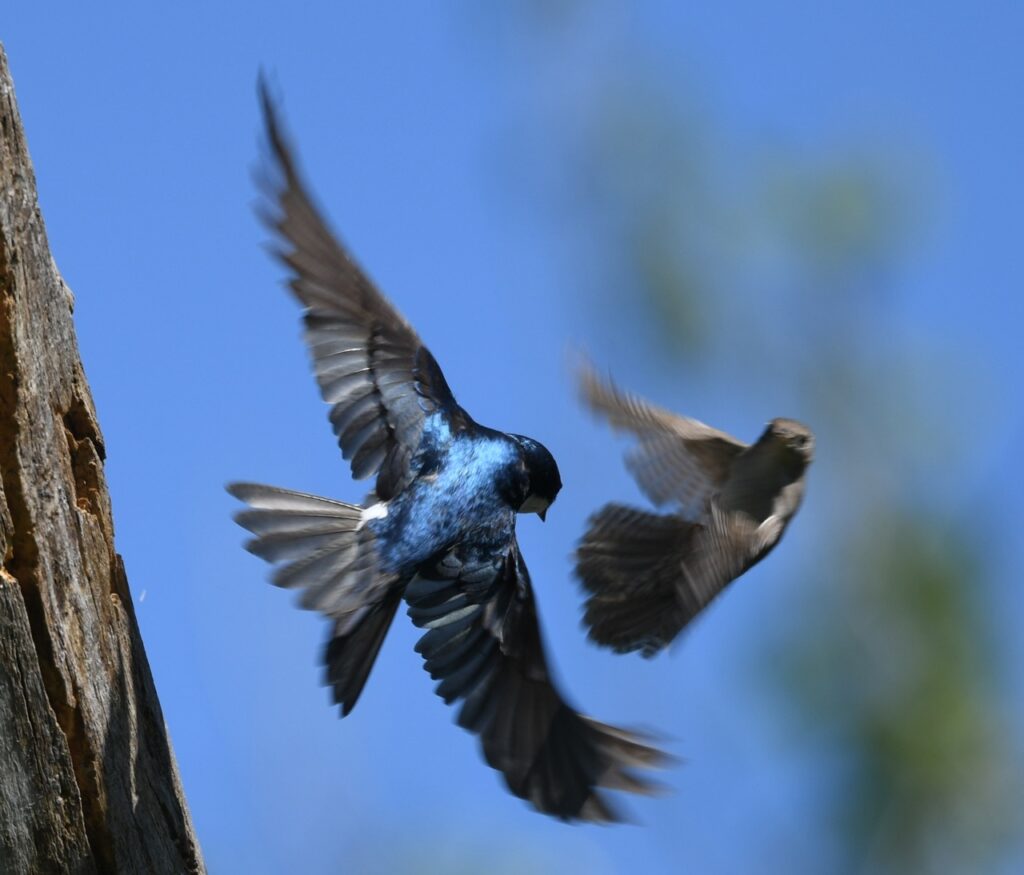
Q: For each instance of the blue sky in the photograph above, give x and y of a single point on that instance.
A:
(414, 125)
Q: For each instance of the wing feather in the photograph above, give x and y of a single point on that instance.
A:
(676, 459)
(372, 367)
(483, 645)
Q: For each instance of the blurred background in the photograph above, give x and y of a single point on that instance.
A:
(741, 211)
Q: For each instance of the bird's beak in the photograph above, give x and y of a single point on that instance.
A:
(542, 514)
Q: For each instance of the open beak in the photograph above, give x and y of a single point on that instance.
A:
(542, 514)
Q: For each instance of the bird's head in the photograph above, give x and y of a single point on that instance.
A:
(794, 436)
(542, 479)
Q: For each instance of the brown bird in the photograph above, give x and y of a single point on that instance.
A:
(648, 575)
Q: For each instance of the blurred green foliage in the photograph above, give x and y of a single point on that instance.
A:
(897, 676)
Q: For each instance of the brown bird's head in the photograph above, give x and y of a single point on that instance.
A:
(794, 436)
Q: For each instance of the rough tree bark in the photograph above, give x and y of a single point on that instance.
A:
(88, 781)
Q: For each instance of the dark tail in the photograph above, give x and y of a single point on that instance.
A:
(631, 564)
(353, 649)
(320, 546)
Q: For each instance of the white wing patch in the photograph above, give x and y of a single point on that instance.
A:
(374, 512)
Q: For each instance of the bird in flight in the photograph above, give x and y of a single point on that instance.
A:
(647, 575)
(438, 530)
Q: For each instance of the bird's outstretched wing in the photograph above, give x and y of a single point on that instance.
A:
(372, 367)
(648, 575)
(484, 646)
(676, 460)
(630, 563)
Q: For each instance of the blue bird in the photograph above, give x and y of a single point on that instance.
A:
(438, 530)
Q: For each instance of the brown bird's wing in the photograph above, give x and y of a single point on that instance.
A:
(676, 459)
(648, 575)
(484, 646)
(629, 562)
(372, 367)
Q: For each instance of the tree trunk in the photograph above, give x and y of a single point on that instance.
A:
(88, 782)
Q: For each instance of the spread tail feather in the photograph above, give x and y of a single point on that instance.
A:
(321, 546)
(630, 563)
(317, 544)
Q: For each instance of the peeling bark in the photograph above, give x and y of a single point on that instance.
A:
(88, 781)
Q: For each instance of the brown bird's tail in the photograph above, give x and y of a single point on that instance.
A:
(631, 564)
